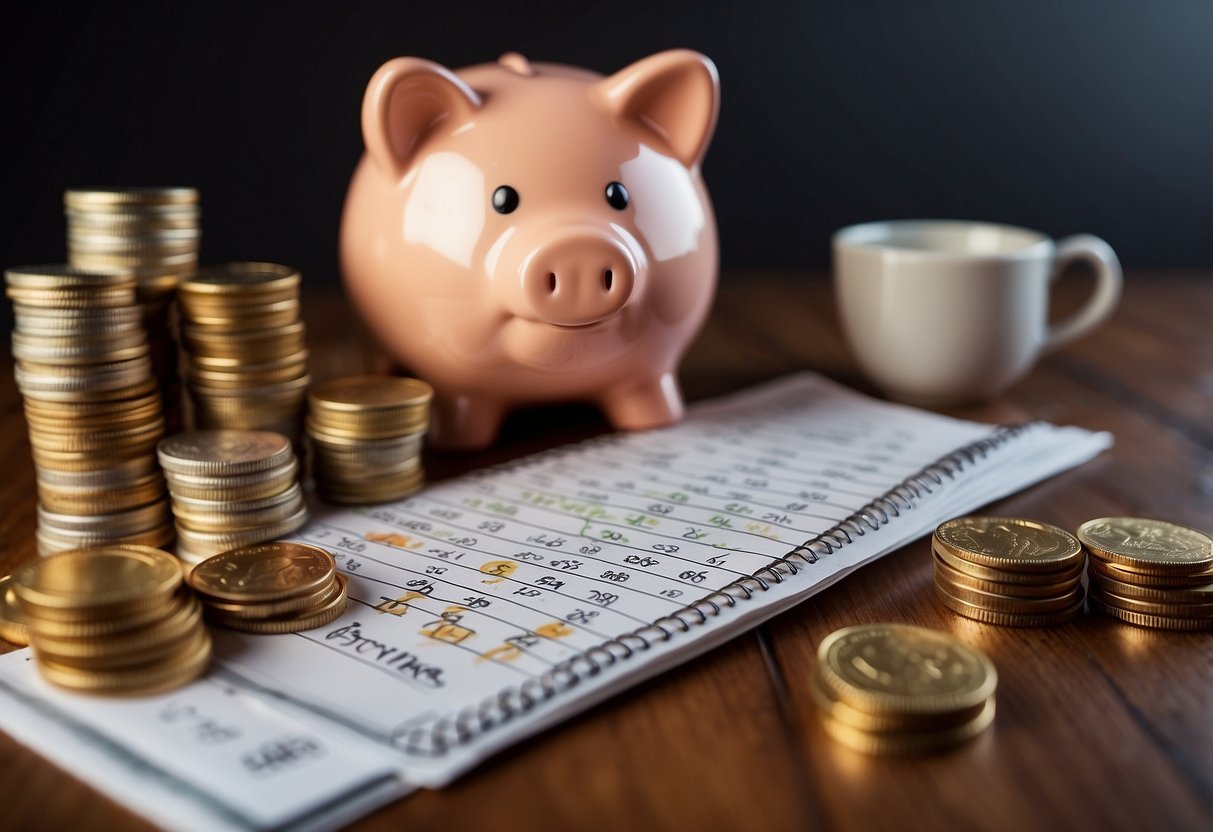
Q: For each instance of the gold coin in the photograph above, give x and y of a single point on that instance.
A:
(238, 519)
(1200, 594)
(62, 276)
(264, 573)
(1154, 622)
(1148, 546)
(83, 580)
(913, 743)
(347, 494)
(244, 277)
(294, 623)
(218, 542)
(73, 298)
(347, 444)
(292, 392)
(187, 664)
(248, 365)
(120, 473)
(1006, 619)
(986, 573)
(14, 627)
(1014, 605)
(203, 452)
(130, 646)
(1043, 590)
(1010, 544)
(881, 668)
(887, 722)
(127, 199)
(370, 394)
(242, 380)
(234, 488)
(291, 495)
(271, 609)
(1176, 609)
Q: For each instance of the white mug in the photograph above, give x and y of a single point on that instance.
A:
(944, 312)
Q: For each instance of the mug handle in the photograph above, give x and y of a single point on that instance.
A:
(1108, 280)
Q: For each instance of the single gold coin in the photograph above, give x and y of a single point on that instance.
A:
(1095, 566)
(908, 743)
(264, 572)
(1014, 605)
(368, 394)
(1148, 546)
(1006, 619)
(293, 623)
(88, 579)
(1153, 622)
(1015, 590)
(884, 722)
(880, 668)
(214, 452)
(14, 627)
(1170, 609)
(986, 573)
(1010, 544)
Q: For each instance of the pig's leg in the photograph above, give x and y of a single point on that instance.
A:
(464, 422)
(652, 403)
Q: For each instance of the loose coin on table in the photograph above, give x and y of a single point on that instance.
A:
(113, 620)
(269, 588)
(1008, 571)
(900, 689)
(1150, 573)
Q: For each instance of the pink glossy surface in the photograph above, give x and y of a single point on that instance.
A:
(565, 297)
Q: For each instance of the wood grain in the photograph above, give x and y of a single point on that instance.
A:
(1099, 724)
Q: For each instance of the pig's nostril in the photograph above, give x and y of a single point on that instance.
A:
(607, 279)
(552, 282)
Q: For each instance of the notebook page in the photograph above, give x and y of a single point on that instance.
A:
(487, 582)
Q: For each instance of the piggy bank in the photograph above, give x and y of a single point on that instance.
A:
(522, 233)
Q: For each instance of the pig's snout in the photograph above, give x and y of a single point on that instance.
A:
(579, 279)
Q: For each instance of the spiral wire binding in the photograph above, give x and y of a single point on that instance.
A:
(440, 736)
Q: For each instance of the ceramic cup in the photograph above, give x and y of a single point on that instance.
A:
(943, 312)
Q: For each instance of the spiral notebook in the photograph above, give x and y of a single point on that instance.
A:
(492, 606)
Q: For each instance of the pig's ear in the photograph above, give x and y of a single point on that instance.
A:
(406, 100)
(674, 94)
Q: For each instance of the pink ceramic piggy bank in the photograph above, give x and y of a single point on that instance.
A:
(520, 233)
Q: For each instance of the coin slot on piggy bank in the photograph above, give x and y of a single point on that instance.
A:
(522, 233)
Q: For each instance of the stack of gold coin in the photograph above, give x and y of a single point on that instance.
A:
(1149, 572)
(153, 234)
(1007, 571)
(270, 588)
(13, 626)
(365, 433)
(245, 354)
(898, 689)
(114, 620)
(92, 408)
(231, 488)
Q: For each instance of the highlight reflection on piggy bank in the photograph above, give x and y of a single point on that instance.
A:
(521, 233)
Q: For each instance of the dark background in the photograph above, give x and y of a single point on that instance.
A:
(1084, 115)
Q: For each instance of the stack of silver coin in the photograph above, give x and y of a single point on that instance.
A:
(92, 408)
(231, 488)
(245, 350)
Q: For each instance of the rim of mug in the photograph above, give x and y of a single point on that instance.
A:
(863, 236)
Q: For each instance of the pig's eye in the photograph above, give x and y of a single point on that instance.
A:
(505, 199)
(617, 196)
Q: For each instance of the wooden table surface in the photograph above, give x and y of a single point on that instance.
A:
(1100, 725)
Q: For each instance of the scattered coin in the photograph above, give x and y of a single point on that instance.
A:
(899, 689)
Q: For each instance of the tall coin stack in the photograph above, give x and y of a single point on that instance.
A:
(1149, 572)
(897, 689)
(231, 488)
(365, 433)
(92, 408)
(244, 342)
(114, 620)
(1007, 571)
(154, 234)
